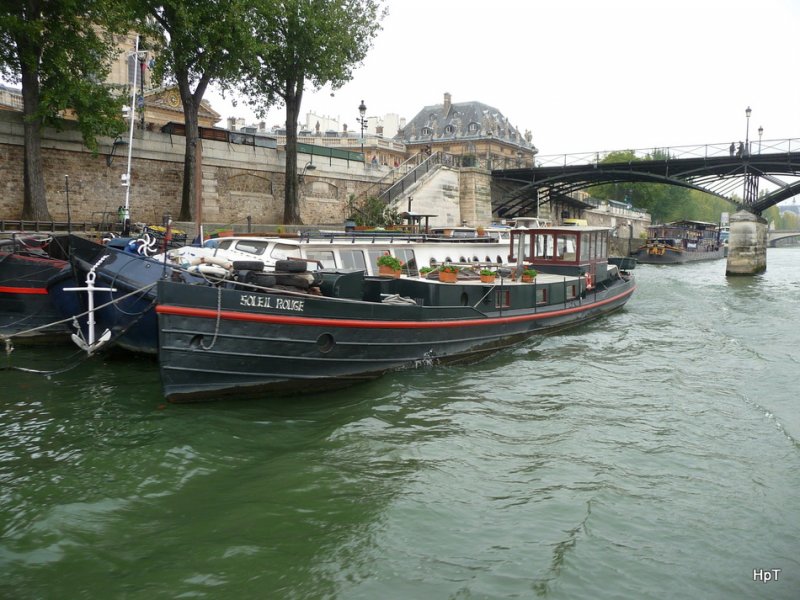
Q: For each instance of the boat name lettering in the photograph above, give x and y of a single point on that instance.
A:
(267, 302)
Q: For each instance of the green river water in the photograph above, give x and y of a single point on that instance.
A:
(652, 454)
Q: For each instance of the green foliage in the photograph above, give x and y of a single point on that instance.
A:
(318, 42)
(197, 43)
(387, 260)
(60, 52)
(487, 272)
(64, 51)
(372, 212)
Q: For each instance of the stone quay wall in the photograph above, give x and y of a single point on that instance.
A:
(237, 181)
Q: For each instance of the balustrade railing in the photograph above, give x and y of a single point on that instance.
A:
(719, 150)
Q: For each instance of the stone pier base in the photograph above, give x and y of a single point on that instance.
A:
(747, 244)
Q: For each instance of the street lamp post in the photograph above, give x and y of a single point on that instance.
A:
(362, 110)
(760, 133)
(747, 112)
(750, 191)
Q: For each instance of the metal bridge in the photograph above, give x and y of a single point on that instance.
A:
(717, 169)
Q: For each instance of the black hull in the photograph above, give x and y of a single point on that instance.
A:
(671, 257)
(129, 311)
(277, 344)
(26, 310)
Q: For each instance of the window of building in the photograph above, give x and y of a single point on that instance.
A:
(427, 131)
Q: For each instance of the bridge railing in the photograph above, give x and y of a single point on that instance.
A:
(782, 146)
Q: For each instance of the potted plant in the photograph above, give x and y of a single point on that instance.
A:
(423, 272)
(448, 273)
(389, 265)
(487, 275)
(528, 275)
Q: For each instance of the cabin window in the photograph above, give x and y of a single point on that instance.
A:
(571, 292)
(603, 245)
(353, 260)
(325, 257)
(502, 298)
(283, 251)
(251, 247)
(373, 255)
(586, 246)
(222, 245)
(406, 256)
(566, 246)
(541, 295)
(542, 246)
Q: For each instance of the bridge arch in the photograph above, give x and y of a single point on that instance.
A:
(710, 169)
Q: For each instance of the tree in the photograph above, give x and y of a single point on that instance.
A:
(61, 53)
(664, 202)
(300, 41)
(197, 43)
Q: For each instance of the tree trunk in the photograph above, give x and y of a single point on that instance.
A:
(291, 203)
(34, 207)
(190, 110)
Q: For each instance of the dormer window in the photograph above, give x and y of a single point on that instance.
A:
(427, 131)
(473, 127)
(450, 130)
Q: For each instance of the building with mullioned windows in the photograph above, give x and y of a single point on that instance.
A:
(474, 133)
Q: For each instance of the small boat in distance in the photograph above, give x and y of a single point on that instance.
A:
(681, 242)
(242, 340)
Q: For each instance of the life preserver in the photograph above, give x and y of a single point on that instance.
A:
(589, 280)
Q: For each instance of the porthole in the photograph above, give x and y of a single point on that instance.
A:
(325, 343)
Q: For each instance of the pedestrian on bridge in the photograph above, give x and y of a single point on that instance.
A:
(732, 148)
(740, 152)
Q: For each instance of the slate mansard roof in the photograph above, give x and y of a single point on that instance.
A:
(462, 121)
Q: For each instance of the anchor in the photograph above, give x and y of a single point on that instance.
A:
(91, 344)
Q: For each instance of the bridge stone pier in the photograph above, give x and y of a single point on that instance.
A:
(747, 244)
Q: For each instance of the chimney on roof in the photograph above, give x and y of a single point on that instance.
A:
(446, 103)
(232, 123)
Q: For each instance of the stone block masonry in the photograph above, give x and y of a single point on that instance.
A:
(237, 181)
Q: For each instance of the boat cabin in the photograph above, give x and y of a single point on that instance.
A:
(686, 235)
(569, 250)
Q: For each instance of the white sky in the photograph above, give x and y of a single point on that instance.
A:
(584, 75)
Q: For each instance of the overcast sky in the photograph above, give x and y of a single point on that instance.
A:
(585, 75)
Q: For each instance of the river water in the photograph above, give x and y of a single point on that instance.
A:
(652, 454)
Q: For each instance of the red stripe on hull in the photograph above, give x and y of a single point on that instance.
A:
(317, 321)
(19, 290)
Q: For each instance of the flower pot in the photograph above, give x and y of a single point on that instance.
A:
(487, 278)
(448, 277)
(528, 278)
(385, 271)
